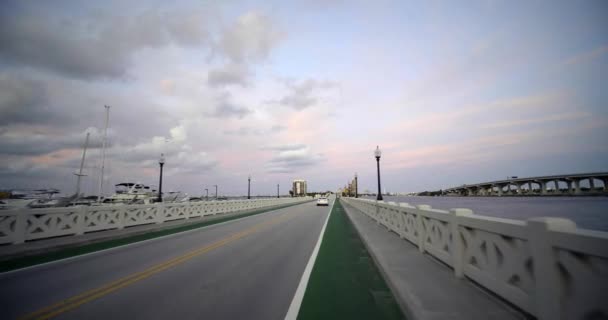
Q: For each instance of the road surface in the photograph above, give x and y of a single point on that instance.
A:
(244, 269)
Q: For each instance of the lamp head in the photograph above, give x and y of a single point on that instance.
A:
(162, 159)
(378, 153)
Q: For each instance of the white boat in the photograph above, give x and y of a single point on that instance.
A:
(41, 198)
(131, 193)
(8, 204)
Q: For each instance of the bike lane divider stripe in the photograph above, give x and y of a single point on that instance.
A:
(296, 302)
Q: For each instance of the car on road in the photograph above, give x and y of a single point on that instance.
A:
(322, 202)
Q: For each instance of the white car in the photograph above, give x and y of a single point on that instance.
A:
(322, 202)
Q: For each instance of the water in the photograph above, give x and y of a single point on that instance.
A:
(586, 212)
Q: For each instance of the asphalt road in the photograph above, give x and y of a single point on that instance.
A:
(244, 269)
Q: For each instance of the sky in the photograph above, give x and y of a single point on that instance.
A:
(453, 92)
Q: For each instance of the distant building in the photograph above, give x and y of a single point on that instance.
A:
(299, 188)
(353, 187)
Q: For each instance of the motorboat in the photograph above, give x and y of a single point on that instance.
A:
(131, 193)
(175, 196)
(40, 198)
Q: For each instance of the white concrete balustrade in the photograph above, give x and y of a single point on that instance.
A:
(18, 226)
(545, 266)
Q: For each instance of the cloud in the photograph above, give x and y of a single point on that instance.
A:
(252, 131)
(278, 128)
(225, 108)
(191, 162)
(304, 94)
(586, 57)
(231, 74)
(545, 119)
(99, 48)
(250, 38)
(292, 157)
(178, 133)
(146, 151)
(285, 147)
(22, 100)
(244, 131)
(33, 143)
(517, 106)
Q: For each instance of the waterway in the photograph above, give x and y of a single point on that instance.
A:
(586, 212)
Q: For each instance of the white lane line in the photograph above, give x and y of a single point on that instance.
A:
(294, 307)
(2, 274)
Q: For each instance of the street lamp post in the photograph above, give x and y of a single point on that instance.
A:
(378, 153)
(249, 187)
(356, 186)
(277, 190)
(215, 185)
(206, 194)
(161, 162)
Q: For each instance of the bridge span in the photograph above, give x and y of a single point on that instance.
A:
(263, 264)
(595, 183)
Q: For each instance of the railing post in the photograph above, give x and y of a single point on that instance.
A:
(20, 227)
(420, 226)
(122, 215)
(160, 213)
(402, 219)
(80, 222)
(547, 293)
(458, 241)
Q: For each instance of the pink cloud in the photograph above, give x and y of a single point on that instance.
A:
(548, 118)
(586, 57)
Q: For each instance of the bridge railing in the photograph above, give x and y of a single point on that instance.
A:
(545, 266)
(17, 226)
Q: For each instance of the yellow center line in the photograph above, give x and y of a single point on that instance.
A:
(87, 296)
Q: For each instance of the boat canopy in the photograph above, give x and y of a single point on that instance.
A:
(125, 184)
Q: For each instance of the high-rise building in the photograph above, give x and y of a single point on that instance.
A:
(299, 188)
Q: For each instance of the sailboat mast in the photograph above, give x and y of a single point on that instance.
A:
(79, 174)
(103, 153)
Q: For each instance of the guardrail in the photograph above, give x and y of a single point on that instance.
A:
(18, 226)
(545, 266)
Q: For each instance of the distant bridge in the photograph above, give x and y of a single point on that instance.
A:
(594, 183)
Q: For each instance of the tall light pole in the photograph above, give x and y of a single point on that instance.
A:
(161, 162)
(277, 190)
(356, 186)
(249, 187)
(378, 153)
(215, 185)
(206, 194)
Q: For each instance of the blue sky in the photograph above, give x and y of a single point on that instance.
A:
(452, 92)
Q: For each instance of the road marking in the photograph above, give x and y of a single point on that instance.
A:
(2, 274)
(296, 302)
(80, 299)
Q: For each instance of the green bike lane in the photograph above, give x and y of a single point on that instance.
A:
(345, 282)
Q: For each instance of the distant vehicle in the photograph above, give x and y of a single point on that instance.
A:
(322, 202)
